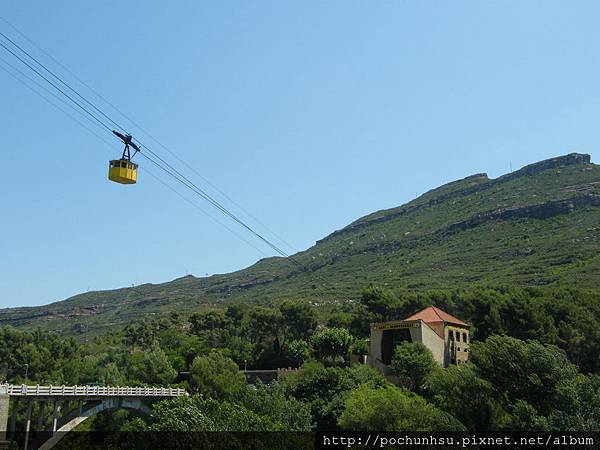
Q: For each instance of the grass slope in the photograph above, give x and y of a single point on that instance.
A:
(537, 226)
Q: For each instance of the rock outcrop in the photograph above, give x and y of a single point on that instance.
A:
(552, 163)
(537, 211)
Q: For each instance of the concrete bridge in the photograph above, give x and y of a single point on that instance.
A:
(71, 405)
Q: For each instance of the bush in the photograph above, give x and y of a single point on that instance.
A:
(325, 389)
(273, 402)
(524, 370)
(360, 347)
(331, 344)
(216, 375)
(459, 390)
(298, 352)
(393, 409)
(412, 363)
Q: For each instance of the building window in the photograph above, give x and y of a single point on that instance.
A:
(465, 337)
(389, 340)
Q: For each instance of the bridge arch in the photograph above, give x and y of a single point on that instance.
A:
(105, 405)
(92, 400)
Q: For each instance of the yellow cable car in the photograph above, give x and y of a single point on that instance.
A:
(123, 170)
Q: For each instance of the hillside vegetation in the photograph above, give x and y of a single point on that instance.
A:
(536, 227)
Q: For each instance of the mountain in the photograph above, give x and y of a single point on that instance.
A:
(537, 226)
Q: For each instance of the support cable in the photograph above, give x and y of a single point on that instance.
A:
(165, 166)
(53, 94)
(109, 144)
(56, 87)
(191, 185)
(60, 80)
(190, 167)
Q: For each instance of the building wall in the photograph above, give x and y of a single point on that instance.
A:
(434, 343)
(445, 351)
(375, 358)
(419, 332)
(457, 351)
(375, 345)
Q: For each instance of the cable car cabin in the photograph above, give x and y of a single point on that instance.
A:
(122, 171)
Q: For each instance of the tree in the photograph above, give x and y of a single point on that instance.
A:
(261, 410)
(363, 374)
(459, 391)
(299, 318)
(140, 336)
(412, 363)
(211, 326)
(577, 405)
(178, 422)
(298, 351)
(325, 389)
(229, 416)
(392, 409)
(272, 401)
(331, 343)
(380, 302)
(235, 313)
(181, 347)
(208, 321)
(581, 411)
(265, 326)
(48, 357)
(240, 350)
(360, 347)
(524, 417)
(339, 319)
(524, 370)
(112, 375)
(151, 367)
(216, 375)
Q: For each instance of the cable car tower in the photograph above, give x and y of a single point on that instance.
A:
(123, 170)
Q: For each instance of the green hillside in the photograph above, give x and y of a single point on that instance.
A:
(538, 226)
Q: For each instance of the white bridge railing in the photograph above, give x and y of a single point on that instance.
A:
(90, 391)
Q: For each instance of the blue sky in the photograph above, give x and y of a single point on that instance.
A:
(308, 114)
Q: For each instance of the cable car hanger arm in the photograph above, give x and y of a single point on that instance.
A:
(128, 141)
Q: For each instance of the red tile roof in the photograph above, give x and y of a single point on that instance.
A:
(433, 314)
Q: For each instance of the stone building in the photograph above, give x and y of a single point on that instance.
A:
(444, 335)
